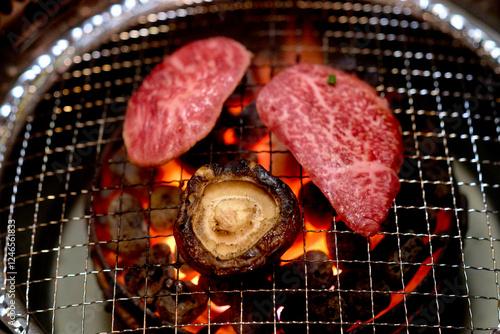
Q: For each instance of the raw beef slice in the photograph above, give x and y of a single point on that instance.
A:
(179, 103)
(344, 135)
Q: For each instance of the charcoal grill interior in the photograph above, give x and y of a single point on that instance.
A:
(443, 88)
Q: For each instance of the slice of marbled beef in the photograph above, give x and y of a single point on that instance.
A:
(180, 101)
(344, 135)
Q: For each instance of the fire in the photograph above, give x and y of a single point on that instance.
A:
(170, 241)
(274, 156)
(310, 240)
(421, 273)
(444, 220)
(172, 173)
(235, 110)
(229, 137)
(375, 240)
(215, 313)
(262, 151)
(443, 224)
(236, 103)
(285, 166)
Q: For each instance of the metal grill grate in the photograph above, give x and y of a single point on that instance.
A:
(444, 93)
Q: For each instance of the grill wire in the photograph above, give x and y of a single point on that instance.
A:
(444, 94)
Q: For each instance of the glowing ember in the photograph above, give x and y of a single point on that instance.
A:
(235, 110)
(230, 137)
(170, 241)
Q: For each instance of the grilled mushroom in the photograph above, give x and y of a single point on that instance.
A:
(235, 219)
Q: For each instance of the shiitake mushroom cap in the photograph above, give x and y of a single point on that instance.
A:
(215, 258)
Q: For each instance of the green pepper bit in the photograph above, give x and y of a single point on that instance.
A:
(332, 79)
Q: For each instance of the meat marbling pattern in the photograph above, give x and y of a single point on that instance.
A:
(179, 103)
(344, 135)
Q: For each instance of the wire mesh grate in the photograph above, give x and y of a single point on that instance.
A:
(444, 94)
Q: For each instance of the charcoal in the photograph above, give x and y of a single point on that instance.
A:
(180, 300)
(126, 220)
(164, 207)
(254, 129)
(364, 296)
(213, 286)
(438, 193)
(347, 249)
(182, 265)
(319, 272)
(327, 307)
(437, 171)
(413, 252)
(291, 277)
(223, 290)
(294, 308)
(324, 306)
(248, 313)
(316, 206)
(158, 270)
(129, 173)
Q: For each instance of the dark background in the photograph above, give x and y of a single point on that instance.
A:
(11, 11)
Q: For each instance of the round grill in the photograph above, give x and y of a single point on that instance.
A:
(62, 124)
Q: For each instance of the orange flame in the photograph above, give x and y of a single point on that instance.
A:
(313, 240)
(203, 319)
(172, 173)
(443, 223)
(272, 155)
(229, 137)
(262, 151)
(288, 169)
(234, 110)
(375, 240)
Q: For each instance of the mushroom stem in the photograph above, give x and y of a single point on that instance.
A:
(236, 214)
(231, 215)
